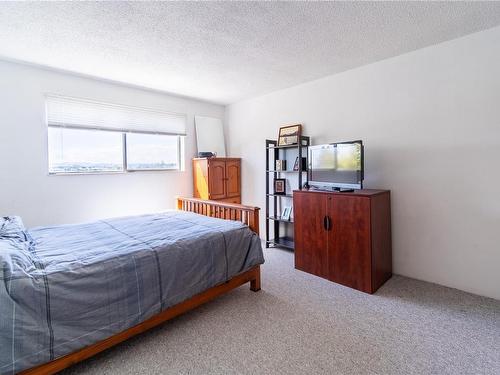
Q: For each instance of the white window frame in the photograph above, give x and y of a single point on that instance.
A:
(179, 154)
(124, 132)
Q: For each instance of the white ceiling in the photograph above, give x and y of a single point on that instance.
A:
(227, 51)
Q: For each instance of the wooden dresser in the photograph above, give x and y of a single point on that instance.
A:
(344, 237)
(217, 179)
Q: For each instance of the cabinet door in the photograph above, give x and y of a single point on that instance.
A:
(200, 178)
(311, 247)
(233, 184)
(216, 179)
(349, 241)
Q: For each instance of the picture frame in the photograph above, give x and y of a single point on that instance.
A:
(285, 214)
(289, 135)
(279, 186)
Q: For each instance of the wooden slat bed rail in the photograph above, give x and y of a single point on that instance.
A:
(252, 276)
(248, 215)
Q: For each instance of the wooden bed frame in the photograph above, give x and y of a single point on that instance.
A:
(246, 214)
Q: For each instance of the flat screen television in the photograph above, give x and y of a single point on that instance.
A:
(336, 166)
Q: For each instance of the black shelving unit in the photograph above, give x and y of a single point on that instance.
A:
(282, 230)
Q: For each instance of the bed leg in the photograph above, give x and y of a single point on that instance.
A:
(255, 283)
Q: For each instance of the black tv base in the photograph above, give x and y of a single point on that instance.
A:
(341, 190)
(337, 189)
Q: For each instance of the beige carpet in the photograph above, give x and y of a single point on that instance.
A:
(302, 324)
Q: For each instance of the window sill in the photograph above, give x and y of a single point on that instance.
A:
(111, 172)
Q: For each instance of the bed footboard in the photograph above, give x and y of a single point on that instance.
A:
(248, 215)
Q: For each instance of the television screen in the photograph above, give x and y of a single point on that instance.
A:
(336, 165)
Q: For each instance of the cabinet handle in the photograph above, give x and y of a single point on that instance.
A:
(325, 222)
(328, 223)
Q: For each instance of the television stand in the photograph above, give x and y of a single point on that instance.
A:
(345, 238)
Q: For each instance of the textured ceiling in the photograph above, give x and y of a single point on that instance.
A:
(227, 51)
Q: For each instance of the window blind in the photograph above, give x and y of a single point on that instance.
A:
(83, 113)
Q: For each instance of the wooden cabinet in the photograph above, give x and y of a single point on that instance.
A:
(233, 179)
(309, 233)
(217, 179)
(344, 237)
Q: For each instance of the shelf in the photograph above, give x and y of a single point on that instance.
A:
(278, 218)
(285, 242)
(285, 171)
(282, 147)
(282, 233)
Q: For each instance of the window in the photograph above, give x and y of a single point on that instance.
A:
(89, 137)
(146, 151)
(84, 151)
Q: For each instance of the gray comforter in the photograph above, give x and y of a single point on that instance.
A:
(65, 287)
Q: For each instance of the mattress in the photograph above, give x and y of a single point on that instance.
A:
(66, 287)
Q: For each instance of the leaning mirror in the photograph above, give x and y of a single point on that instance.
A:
(210, 135)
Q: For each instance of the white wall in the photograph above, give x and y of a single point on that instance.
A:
(28, 191)
(430, 121)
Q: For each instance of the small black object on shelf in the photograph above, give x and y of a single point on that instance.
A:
(282, 242)
(296, 164)
(281, 165)
(203, 154)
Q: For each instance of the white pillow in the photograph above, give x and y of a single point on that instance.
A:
(12, 227)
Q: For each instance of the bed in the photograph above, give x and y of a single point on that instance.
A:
(68, 292)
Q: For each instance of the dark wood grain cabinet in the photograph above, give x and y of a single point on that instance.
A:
(344, 237)
(311, 253)
(217, 179)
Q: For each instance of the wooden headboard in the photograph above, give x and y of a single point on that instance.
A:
(230, 211)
